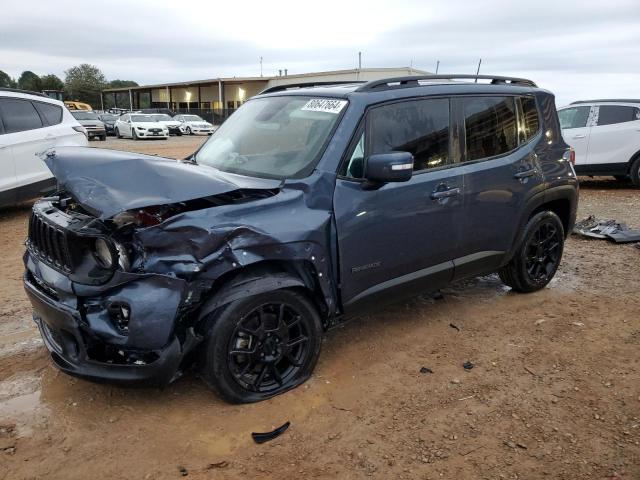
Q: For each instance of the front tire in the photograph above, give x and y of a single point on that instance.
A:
(134, 135)
(118, 134)
(635, 172)
(188, 131)
(537, 259)
(261, 346)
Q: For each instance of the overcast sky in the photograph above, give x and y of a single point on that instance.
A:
(577, 49)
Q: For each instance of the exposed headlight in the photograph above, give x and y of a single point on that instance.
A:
(104, 251)
(103, 254)
(141, 128)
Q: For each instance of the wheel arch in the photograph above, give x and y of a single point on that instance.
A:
(265, 276)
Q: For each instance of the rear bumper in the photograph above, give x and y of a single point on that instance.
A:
(77, 345)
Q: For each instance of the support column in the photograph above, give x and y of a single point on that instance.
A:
(130, 100)
(168, 99)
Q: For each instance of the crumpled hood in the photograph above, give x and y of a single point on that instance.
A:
(107, 182)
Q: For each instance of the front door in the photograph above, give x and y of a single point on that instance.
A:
(399, 236)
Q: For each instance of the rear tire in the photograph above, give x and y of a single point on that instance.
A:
(103, 138)
(537, 258)
(280, 331)
(635, 172)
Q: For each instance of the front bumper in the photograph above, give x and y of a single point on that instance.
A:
(148, 134)
(96, 133)
(83, 341)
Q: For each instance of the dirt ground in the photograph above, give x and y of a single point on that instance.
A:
(555, 391)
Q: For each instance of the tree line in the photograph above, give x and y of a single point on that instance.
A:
(82, 83)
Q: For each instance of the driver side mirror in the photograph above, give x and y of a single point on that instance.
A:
(389, 167)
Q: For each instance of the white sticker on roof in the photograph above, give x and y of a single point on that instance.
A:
(327, 105)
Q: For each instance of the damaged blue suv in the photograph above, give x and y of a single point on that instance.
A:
(308, 203)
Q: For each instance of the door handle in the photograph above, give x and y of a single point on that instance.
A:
(525, 174)
(576, 137)
(439, 194)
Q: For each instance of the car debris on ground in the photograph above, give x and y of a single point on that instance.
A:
(266, 436)
(592, 227)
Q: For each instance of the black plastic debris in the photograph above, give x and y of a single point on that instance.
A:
(183, 471)
(265, 437)
(592, 227)
(426, 370)
(467, 365)
(454, 326)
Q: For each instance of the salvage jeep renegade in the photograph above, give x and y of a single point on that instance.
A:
(307, 203)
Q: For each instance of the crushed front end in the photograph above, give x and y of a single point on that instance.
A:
(100, 317)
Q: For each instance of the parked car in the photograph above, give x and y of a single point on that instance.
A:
(109, 120)
(30, 124)
(193, 124)
(605, 135)
(172, 124)
(304, 206)
(91, 123)
(140, 125)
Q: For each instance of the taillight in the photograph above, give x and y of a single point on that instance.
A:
(570, 155)
(80, 129)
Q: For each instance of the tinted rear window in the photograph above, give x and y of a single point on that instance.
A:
(574, 117)
(490, 126)
(52, 114)
(610, 114)
(19, 115)
(530, 124)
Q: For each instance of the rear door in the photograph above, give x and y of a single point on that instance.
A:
(576, 127)
(25, 132)
(501, 171)
(399, 238)
(615, 137)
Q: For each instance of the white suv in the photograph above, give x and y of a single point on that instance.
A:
(605, 135)
(140, 125)
(31, 123)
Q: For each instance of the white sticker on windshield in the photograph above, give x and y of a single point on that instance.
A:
(327, 105)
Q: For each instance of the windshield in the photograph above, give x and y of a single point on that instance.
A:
(162, 117)
(108, 118)
(85, 115)
(276, 137)
(192, 118)
(142, 118)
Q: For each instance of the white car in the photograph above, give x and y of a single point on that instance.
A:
(605, 135)
(167, 121)
(30, 124)
(193, 124)
(139, 125)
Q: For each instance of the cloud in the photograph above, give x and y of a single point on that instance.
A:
(577, 49)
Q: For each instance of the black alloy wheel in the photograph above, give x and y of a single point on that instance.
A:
(261, 346)
(538, 257)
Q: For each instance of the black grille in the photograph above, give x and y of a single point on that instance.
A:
(155, 130)
(49, 243)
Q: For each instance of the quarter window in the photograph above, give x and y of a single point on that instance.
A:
(19, 115)
(610, 114)
(529, 123)
(52, 114)
(574, 117)
(419, 127)
(490, 126)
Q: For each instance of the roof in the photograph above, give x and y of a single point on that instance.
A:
(24, 92)
(613, 100)
(287, 78)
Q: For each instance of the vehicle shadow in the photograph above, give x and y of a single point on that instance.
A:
(605, 183)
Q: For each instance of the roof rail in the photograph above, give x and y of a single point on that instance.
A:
(612, 100)
(413, 81)
(280, 88)
(17, 90)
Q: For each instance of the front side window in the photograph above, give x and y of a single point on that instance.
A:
(490, 126)
(19, 115)
(611, 114)
(275, 137)
(574, 117)
(420, 127)
(52, 114)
